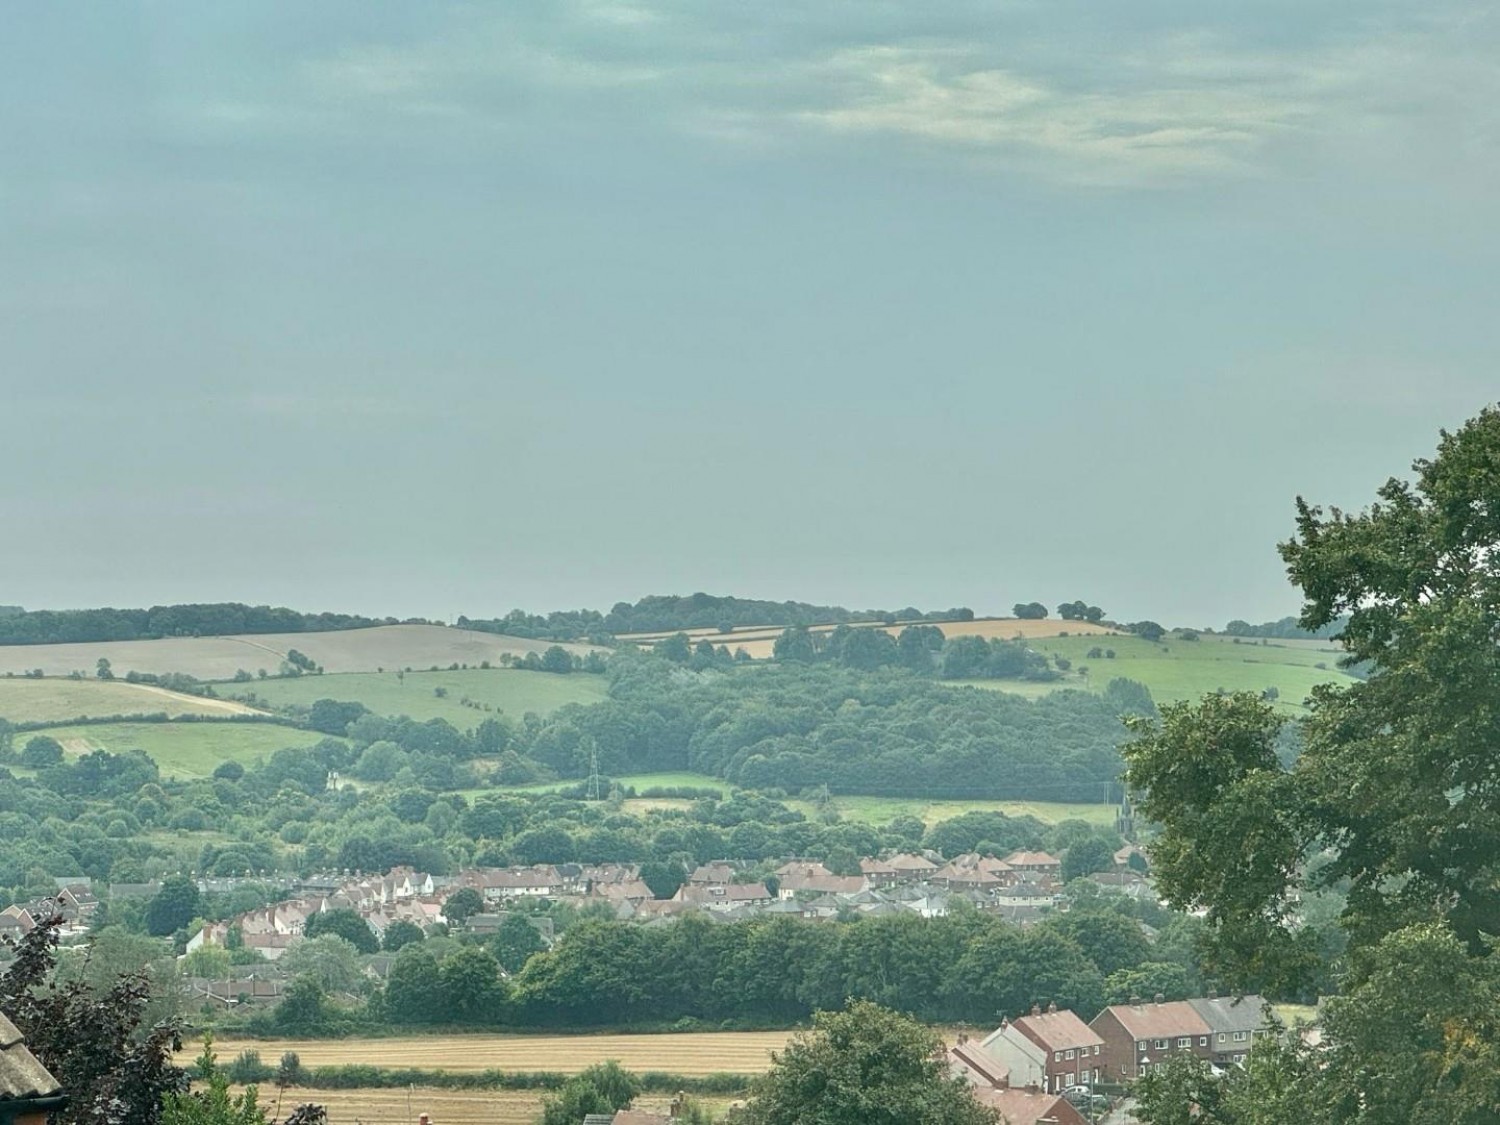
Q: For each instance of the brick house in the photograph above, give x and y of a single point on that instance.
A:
(1053, 1049)
(1234, 1024)
(1139, 1036)
(1019, 1105)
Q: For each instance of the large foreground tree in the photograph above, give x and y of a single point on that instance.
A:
(1394, 800)
(864, 1066)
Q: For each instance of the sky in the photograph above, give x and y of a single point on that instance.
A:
(438, 309)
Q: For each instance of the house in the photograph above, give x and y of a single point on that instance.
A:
(815, 879)
(723, 896)
(28, 1092)
(974, 872)
(712, 873)
(1052, 1049)
(878, 873)
(1026, 1105)
(1140, 1036)
(1234, 1023)
(967, 1059)
(911, 868)
(16, 922)
(1038, 863)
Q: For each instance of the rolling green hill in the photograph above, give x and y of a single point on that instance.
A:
(415, 694)
(1177, 669)
(184, 749)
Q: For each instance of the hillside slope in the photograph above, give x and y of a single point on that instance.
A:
(218, 658)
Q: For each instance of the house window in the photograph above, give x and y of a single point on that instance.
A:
(1070, 1054)
(1096, 1048)
(1071, 1077)
(1222, 1037)
(1241, 1036)
(1143, 1044)
(1162, 1044)
(1185, 1041)
(1057, 1056)
(1203, 1040)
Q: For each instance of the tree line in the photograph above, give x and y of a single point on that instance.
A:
(669, 613)
(65, 626)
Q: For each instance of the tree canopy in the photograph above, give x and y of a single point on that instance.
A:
(1393, 800)
(864, 1066)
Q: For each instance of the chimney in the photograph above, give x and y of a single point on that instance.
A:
(1135, 1001)
(1213, 993)
(1052, 1007)
(1036, 1009)
(1159, 997)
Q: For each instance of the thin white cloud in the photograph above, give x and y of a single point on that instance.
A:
(1057, 98)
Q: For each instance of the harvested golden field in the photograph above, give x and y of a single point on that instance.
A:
(60, 700)
(219, 658)
(709, 1052)
(401, 1106)
(444, 1107)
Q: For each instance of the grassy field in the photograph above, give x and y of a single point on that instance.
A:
(219, 658)
(1177, 669)
(865, 810)
(506, 690)
(881, 810)
(60, 700)
(709, 1052)
(185, 749)
(638, 781)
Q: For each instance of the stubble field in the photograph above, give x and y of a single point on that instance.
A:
(710, 1052)
(219, 658)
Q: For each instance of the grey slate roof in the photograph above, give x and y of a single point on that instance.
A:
(1226, 1013)
(21, 1076)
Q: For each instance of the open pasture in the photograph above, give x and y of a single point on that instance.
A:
(882, 810)
(854, 807)
(707, 1052)
(415, 694)
(219, 658)
(1176, 669)
(185, 749)
(60, 700)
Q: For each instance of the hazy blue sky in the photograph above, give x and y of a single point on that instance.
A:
(437, 309)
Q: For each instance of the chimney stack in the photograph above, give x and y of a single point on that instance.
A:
(1213, 993)
(1052, 1007)
(1135, 1001)
(1160, 998)
(1036, 1009)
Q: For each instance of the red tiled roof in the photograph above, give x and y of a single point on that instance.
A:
(1058, 1031)
(1159, 1021)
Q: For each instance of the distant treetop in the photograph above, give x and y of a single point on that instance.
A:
(665, 613)
(1285, 629)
